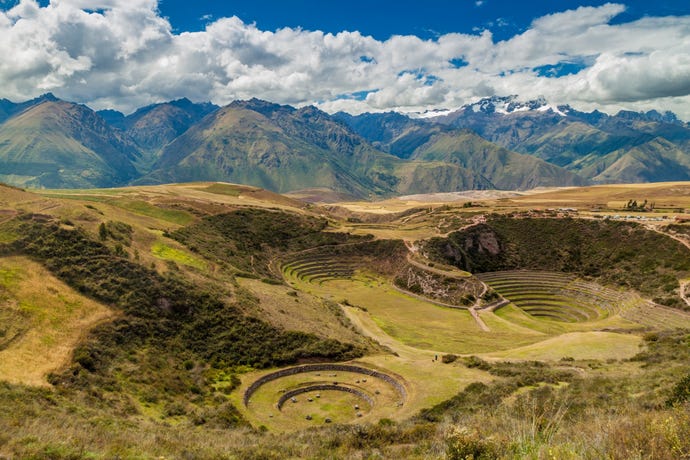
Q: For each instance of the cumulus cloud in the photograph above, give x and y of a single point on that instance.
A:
(124, 54)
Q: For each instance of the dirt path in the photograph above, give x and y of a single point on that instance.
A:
(683, 283)
(480, 322)
(7, 215)
(451, 274)
(655, 228)
(438, 271)
(684, 291)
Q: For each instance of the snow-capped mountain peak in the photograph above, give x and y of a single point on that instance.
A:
(511, 104)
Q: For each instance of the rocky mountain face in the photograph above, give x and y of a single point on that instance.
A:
(154, 126)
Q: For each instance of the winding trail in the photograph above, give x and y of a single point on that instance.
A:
(683, 291)
(459, 274)
(480, 322)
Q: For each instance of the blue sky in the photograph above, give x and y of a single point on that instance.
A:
(355, 56)
(381, 19)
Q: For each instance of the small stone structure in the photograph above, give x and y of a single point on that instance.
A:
(399, 387)
(324, 387)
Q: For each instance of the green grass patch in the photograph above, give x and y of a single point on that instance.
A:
(147, 209)
(115, 198)
(579, 345)
(7, 236)
(415, 322)
(222, 189)
(165, 252)
(9, 276)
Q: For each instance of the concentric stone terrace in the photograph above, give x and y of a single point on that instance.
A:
(558, 296)
(317, 267)
(322, 393)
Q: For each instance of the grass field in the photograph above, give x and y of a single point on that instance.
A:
(578, 345)
(165, 252)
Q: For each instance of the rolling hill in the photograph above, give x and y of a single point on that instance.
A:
(224, 321)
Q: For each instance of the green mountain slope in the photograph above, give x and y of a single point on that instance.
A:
(503, 168)
(654, 161)
(586, 143)
(240, 145)
(58, 144)
(283, 149)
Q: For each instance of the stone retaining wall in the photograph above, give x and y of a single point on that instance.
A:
(324, 387)
(322, 368)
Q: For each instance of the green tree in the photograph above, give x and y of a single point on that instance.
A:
(102, 232)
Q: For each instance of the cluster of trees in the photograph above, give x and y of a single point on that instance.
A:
(632, 205)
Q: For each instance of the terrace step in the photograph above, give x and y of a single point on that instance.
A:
(557, 296)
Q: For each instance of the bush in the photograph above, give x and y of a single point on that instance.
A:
(680, 392)
(476, 362)
(467, 444)
(449, 358)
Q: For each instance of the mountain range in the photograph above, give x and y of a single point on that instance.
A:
(496, 143)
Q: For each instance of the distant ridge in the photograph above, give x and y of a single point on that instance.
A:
(496, 143)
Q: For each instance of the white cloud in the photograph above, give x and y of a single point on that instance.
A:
(124, 54)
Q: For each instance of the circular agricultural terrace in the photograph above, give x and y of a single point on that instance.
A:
(557, 296)
(314, 394)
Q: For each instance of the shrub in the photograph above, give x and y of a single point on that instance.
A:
(449, 358)
(467, 444)
(680, 392)
(476, 362)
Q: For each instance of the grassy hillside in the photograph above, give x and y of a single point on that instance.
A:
(621, 253)
(250, 239)
(504, 169)
(133, 322)
(171, 337)
(42, 321)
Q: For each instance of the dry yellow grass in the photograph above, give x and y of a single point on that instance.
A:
(58, 318)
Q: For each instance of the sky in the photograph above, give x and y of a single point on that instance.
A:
(357, 56)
